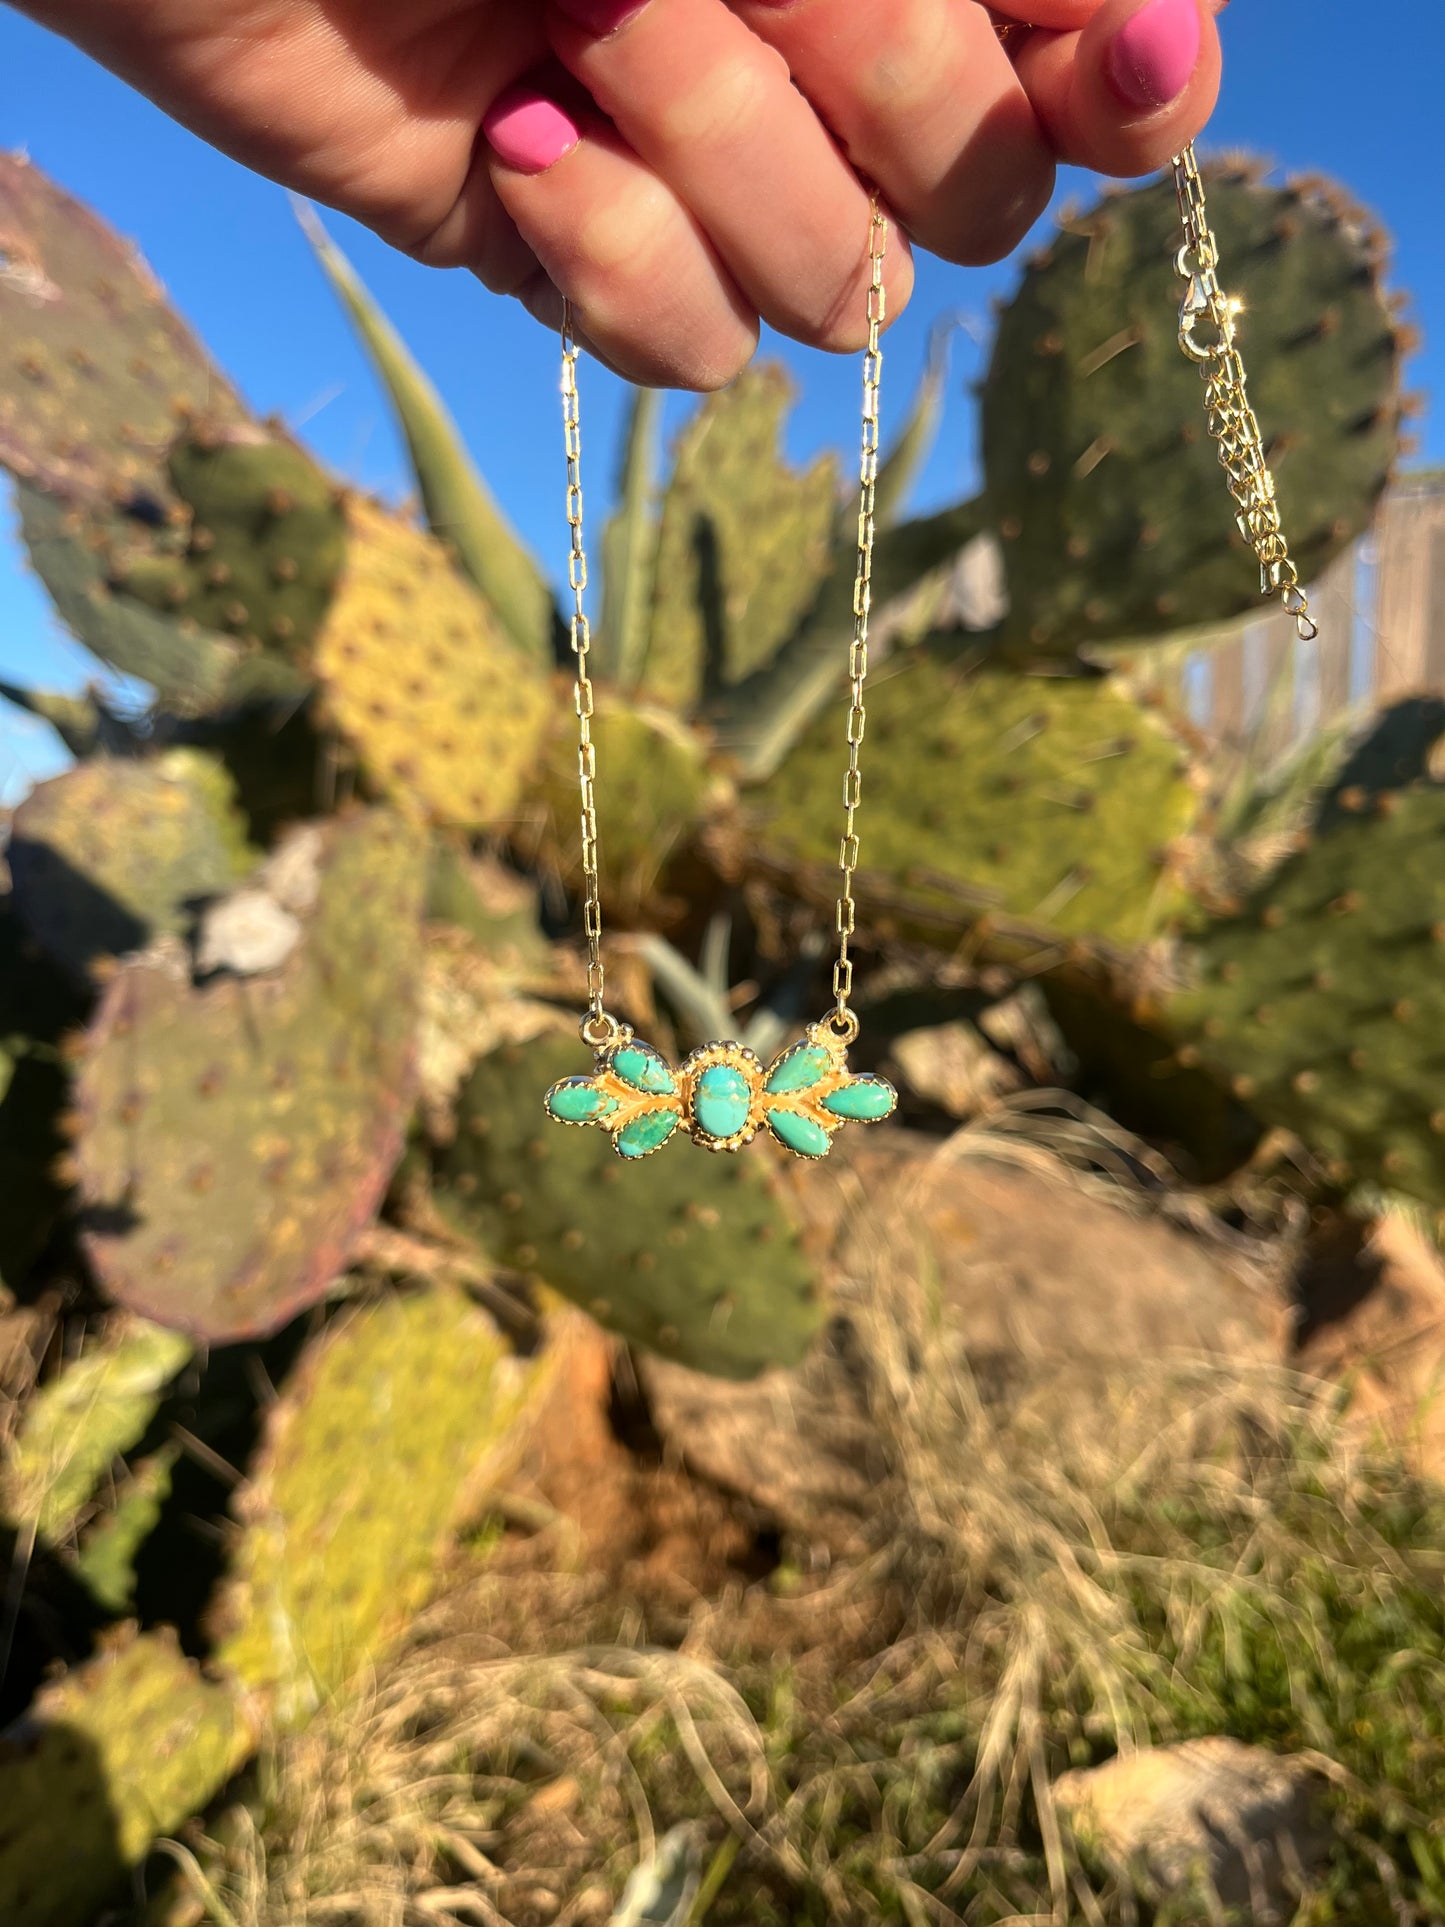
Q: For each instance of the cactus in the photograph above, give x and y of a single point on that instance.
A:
(119, 1752)
(84, 1420)
(459, 506)
(258, 551)
(695, 1258)
(445, 714)
(659, 791)
(106, 1560)
(233, 1140)
(629, 547)
(1320, 1002)
(113, 854)
(743, 548)
(1100, 476)
(384, 1431)
(97, 373)
(1057, 800)
(190, 669)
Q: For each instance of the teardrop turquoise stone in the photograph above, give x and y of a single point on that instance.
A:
(644, 1070)
(800, 1070)
(801, 1134)
(647, 1133)
(578, 1101)
(866, 1099)
(721, 1101)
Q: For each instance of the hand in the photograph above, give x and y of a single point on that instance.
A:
(680, 168)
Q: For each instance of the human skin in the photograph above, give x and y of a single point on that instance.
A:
(683, 170)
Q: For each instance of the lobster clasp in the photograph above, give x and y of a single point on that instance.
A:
(1198, 306)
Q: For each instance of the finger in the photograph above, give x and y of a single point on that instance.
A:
(1134, 87)
(714, 113)
(656, 302)
(925, 103)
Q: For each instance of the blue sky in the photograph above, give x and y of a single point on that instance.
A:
(1307, 84)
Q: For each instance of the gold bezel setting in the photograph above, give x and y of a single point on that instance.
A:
(796, 1117)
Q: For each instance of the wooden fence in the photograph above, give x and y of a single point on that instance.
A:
(1381, 611)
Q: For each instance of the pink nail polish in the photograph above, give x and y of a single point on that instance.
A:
(1155, 54)
(529, 132)
(601, 16)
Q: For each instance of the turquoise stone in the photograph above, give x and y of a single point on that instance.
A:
(721, 1101)
(578, 1101)
(864, 1098)
(647, 1133)
(800, 1070)
(801, 1134)
(644, 1070)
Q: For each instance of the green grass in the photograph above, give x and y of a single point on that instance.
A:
(1146, 1561)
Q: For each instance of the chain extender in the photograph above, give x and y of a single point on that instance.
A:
(1231, 420)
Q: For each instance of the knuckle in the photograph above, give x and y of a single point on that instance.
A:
(727, 107)
(625, 237)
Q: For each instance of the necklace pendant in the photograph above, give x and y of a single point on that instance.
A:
(723, 1096)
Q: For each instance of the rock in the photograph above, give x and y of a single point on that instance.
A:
(1375, 1321)
(799, 1446)
(1043, 1293)
(950, 1065)
(247, 933)
(1209, 1813)
(1034, 1268)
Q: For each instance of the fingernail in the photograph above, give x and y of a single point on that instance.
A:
(526, 130)
(601, 16)
(1154, 55)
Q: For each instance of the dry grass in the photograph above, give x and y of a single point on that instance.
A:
(1074, 1577)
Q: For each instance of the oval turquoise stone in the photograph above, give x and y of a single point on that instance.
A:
(646, 1134)
(865, 1099)
(801, 1134)
(800, 1070)
(644, 1069)
(722, 1100)
(578, 1101)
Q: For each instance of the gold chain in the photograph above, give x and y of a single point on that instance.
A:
(598, 1028)
(844, 1021)
(1232, 421)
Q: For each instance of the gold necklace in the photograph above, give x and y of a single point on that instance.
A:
(724, 1095)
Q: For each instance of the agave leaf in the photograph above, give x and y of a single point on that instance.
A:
(761, 719)
(460, 508)
(629, 547)
(906, 459)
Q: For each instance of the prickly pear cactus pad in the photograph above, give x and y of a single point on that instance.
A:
(77, 1426)
(744, 545)
(1100, 476)
(693, 1257)
(1058, 800)
(115, 852)
(116, 1754)
(1324, 1000)
(96, 373)
(258, 551)
(71, 550)
(232, 1140)
(445, 713)
(389, 1422)
(653, 771)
